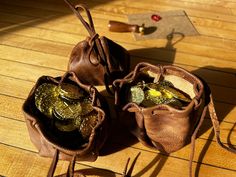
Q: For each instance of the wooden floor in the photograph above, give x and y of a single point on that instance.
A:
(36, 38)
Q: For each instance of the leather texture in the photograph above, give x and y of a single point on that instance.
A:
(97, 60)
(48, 143)
(161, 127)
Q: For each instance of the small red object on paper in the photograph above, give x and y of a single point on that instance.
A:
(156, 17)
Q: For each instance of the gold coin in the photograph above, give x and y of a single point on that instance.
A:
(155, 86)
(136, 95)
(45, 97)
(65, 126)
(174, 103)
(70, 91)
(166, 83)
(86, 106)
(147, 103)
(78, 121)
(156, 98)
(67, 110)
(88, 123)
(176, 94)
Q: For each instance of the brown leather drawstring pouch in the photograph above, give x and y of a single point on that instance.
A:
(51, 143)
(163, 127)
(97, 60)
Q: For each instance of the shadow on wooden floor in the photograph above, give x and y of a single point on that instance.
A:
(29, 13)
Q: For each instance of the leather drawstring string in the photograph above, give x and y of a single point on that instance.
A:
(193, 138)
(90, 28)
(94, 41)
(53, 164)
(216, 125)
(91, 44)
(70, 170)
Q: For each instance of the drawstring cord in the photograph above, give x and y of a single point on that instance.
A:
(53, 164)
(70, 170)
(94, 42)
(216, 127)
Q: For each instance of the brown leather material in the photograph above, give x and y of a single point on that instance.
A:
(47, 141)
(97, 60)
(162, 127)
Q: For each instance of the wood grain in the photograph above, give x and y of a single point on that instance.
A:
(36, 38)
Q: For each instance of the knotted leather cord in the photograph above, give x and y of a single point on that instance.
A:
(216, 127)
(89, 27)
(94, 41)
(193, 138)
(70, 170)
(53, 164)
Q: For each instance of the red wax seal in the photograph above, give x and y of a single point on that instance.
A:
(156, 17)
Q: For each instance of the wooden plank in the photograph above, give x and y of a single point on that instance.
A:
(196, 20)
(11, 107)
(26, 163)
(204, 22)
(14, 18)
(42, 13)
(64, 50)
(100, 23)
(153, 53)
(39, 166)
(15, 87)
(212, 157)
(36, 39)
(50, 47)
(19, 89)
(29, 72)
(221, 3)
(34, 57)
(216, 32)
(197, 49)
(138, 7)
(228, 133)
(168, 60)
(175, 4)
(220, 93)
(218, 53)
(213, 6)
(25, 11)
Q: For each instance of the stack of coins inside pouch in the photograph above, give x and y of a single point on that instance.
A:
(69, 109)
(146, 93)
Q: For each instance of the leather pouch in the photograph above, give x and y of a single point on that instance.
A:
(164, 127)
(63, 146)
(97, 60)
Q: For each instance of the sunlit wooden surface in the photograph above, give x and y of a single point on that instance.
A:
(36, 38)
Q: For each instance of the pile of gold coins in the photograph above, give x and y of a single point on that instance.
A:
(151, 94)
(68, 106)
